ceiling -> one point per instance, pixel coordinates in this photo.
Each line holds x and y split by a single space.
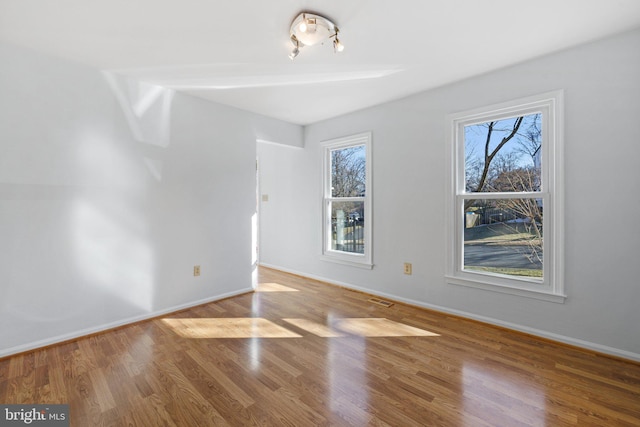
236 52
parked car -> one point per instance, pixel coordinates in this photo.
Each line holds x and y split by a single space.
355 217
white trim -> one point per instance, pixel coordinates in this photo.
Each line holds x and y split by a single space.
551 287
107 326
506 289
356 260
340 259
587 345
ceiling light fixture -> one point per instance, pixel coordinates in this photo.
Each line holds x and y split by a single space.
308 29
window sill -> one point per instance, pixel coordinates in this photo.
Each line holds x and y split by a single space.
346 260
542 295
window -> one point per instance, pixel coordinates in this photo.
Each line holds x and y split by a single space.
505 202
347 200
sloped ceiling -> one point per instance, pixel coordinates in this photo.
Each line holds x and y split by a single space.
236 52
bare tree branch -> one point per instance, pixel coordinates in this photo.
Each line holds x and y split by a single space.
488 157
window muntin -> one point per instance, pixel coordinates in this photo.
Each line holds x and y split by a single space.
506 190
347 200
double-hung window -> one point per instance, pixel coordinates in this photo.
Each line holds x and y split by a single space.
347 200
505 198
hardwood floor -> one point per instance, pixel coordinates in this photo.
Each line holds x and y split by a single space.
302 353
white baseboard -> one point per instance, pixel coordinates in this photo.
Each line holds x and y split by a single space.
514 326
93 330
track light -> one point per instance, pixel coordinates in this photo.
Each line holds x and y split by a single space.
308 29
296 48
337 46
294 53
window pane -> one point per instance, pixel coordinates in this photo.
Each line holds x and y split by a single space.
504 155
504 236
348 171
347 226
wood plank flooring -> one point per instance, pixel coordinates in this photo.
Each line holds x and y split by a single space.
302 353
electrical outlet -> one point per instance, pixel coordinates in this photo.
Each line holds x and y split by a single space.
407 268
196 270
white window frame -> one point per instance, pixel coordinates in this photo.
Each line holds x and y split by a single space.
551 288
353 259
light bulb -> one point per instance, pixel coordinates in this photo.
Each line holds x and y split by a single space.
303 25
339 47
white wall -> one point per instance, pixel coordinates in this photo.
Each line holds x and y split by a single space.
602 111
110 192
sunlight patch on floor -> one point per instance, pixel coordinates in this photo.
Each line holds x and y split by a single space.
365 327
274 287
380 328
228 328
